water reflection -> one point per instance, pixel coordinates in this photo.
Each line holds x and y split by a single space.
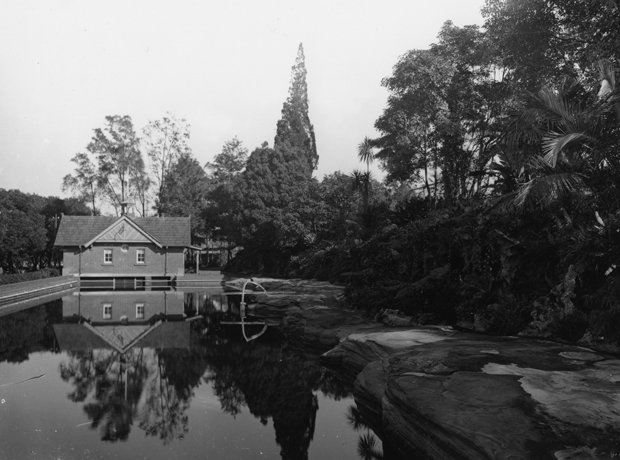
124 353
136 359
28 331
367 447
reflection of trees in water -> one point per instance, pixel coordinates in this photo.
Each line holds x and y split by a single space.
273 384
169 392
155 387
111 384
27 331
152 386
367 442
163 414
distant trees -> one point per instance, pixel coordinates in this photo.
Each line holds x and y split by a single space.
223 213
28 229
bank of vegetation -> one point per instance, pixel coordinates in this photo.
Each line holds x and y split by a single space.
500 206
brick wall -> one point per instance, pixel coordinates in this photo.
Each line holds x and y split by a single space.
90 305
124 263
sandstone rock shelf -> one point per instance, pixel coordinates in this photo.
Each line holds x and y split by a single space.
437 393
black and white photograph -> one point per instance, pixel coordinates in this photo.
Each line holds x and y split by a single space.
327 230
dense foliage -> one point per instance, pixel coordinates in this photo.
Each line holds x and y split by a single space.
28 226
507 142
277 194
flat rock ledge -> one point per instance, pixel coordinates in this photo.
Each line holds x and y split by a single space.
437 393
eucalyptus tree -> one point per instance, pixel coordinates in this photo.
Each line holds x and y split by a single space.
84 183
119 160
141 187
165 142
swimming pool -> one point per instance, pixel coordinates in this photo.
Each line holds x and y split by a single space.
158 374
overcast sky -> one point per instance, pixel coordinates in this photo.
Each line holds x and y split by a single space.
223 66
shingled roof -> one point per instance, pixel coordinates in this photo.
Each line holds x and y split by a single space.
78 230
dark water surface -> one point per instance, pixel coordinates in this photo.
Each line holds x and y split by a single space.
155 375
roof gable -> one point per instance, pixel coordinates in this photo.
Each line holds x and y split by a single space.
79 230
121 232
124 230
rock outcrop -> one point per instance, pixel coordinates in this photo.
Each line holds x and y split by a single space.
460 396
437 393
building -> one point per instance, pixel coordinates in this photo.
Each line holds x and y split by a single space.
125 247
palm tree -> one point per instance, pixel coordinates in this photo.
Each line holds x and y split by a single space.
577 137
365 152
361 181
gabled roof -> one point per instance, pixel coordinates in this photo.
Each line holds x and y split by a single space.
79 230
119 233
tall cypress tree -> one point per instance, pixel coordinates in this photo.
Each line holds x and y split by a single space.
295 134
276 188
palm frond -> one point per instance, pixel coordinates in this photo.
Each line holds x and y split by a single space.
542 191
355 419
554 144
366 448
555 104
503 203
365 151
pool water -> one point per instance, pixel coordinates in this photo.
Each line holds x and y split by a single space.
156 375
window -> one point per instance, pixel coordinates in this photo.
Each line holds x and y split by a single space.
107 311
107 256
140 256
140 311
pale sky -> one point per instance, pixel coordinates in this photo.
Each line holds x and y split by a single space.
223 66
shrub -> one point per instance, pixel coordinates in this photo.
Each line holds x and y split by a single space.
29 276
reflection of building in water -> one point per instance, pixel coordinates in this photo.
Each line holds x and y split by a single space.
123 320
125 359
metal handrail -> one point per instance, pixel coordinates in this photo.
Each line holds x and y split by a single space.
242 314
